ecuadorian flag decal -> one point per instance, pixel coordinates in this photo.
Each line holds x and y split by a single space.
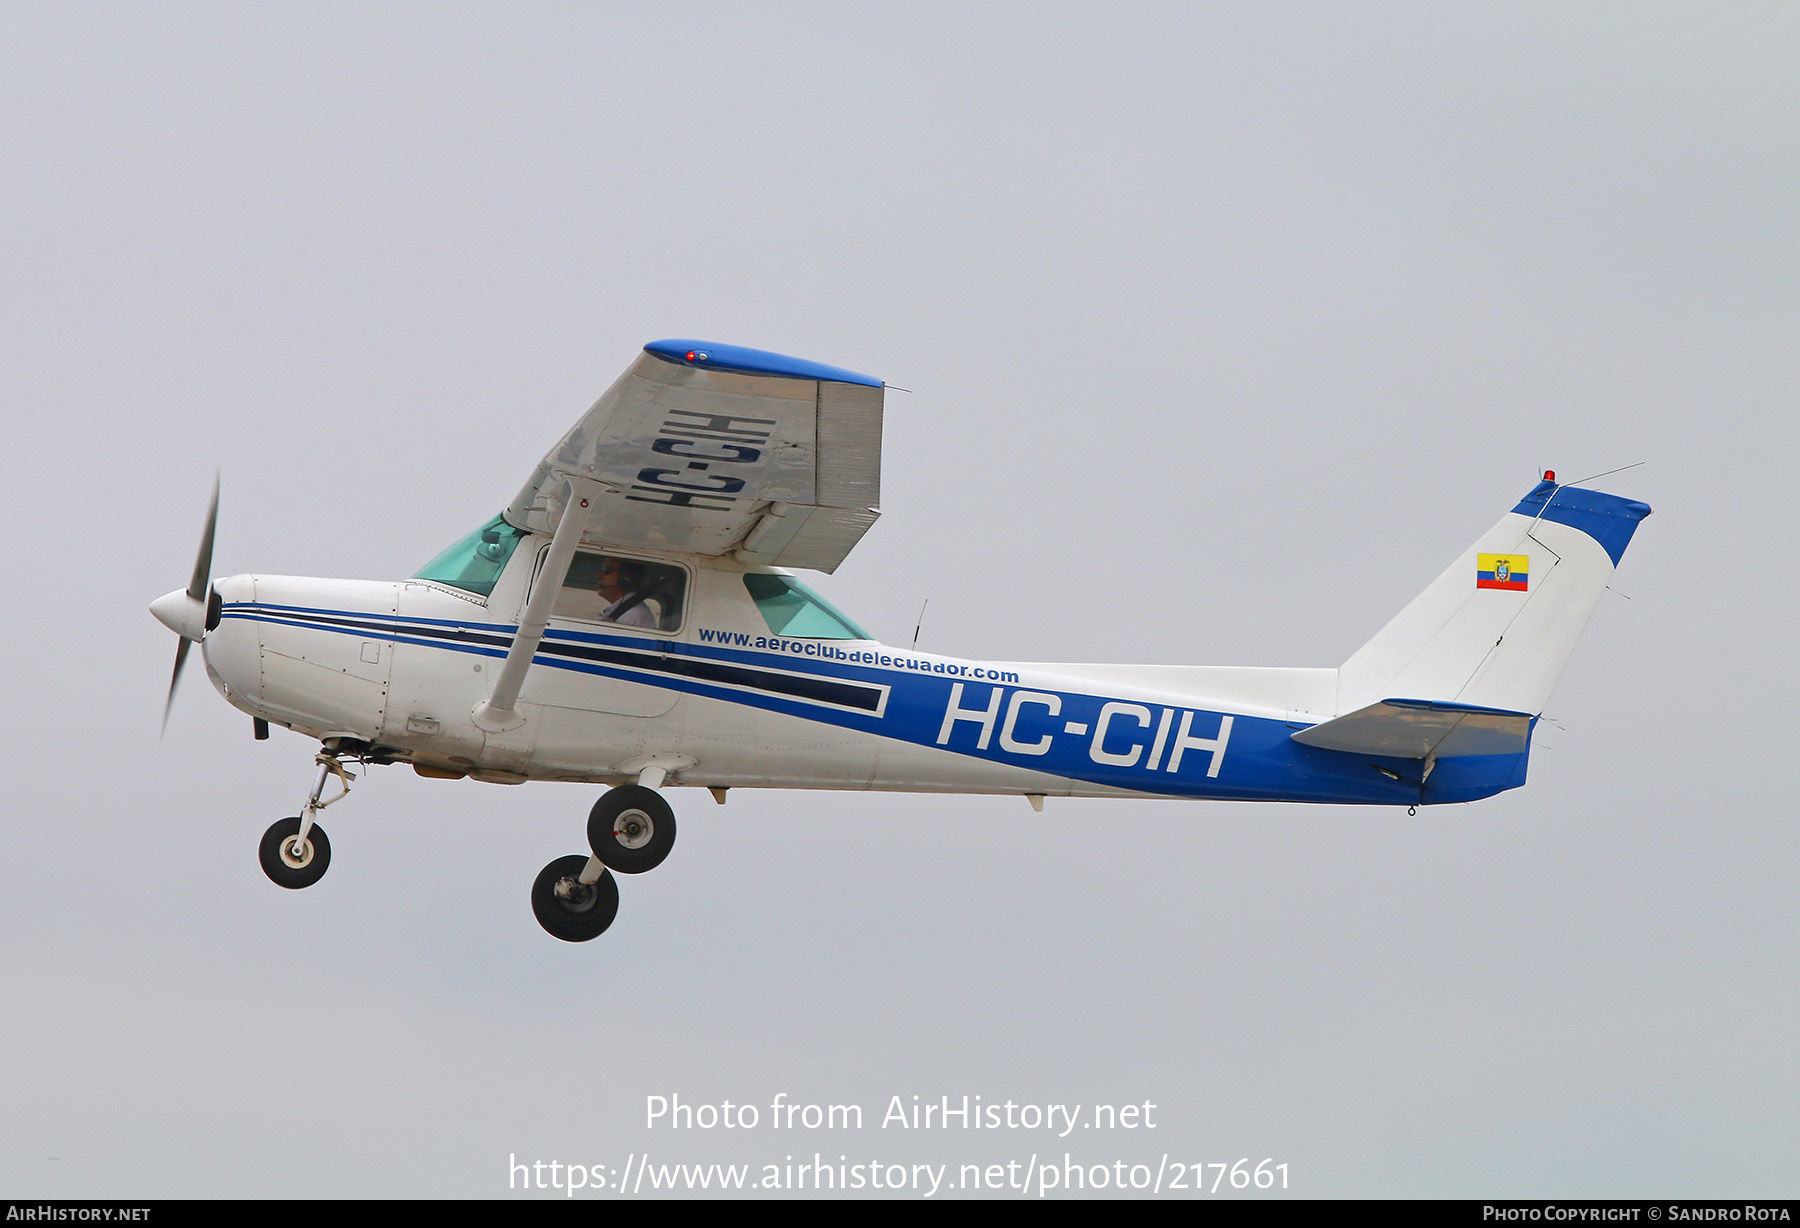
1509 571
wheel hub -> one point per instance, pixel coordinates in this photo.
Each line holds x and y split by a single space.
575 895
634 829
295 854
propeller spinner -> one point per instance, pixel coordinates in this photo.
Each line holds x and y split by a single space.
193 611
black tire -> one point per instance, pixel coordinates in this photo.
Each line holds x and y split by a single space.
289 867
583 912
631 829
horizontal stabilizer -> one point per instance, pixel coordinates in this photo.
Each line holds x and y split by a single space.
1422 729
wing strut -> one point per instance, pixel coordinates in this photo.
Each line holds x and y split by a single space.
497 712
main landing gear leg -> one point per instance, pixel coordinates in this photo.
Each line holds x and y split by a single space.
295 852
631 829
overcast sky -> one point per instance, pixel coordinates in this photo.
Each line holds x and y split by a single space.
1226 326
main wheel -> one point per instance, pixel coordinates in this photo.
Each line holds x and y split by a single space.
631 829
569 909
290 863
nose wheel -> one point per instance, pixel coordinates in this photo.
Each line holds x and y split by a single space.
294 852
292 860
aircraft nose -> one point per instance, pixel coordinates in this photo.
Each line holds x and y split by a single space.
181 614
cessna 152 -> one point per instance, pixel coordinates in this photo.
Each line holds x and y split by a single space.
626 621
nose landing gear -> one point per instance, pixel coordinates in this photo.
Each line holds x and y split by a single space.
294 852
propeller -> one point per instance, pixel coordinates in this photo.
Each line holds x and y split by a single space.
193 611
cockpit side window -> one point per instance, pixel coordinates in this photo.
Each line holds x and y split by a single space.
790 608
611 588
475 563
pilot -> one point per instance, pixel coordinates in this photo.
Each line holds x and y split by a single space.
621 585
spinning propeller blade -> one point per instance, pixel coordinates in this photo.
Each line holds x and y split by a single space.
201 584
199 597
181 647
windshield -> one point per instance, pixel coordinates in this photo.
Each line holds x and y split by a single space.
475 562
790 608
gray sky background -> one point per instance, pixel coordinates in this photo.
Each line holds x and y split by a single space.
1226 325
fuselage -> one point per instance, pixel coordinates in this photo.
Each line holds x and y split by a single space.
401 665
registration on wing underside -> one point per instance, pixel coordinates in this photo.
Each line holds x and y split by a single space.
784 471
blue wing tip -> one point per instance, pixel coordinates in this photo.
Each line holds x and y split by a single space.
685 352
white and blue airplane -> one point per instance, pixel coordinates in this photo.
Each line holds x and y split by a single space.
629 620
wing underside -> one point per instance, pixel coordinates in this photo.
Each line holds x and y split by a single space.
716 450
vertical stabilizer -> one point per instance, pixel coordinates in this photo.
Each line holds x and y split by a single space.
1497 627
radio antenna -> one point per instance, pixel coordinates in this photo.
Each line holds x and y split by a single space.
1607 474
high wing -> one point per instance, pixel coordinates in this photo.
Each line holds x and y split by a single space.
717 449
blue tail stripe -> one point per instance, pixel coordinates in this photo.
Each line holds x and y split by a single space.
1608 519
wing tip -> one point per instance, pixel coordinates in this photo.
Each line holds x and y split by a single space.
686 352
